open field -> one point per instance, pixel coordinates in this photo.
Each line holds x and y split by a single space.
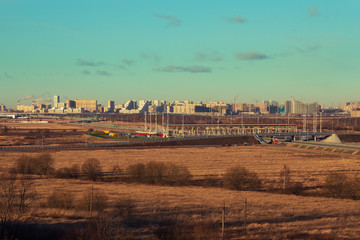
307 166
56 131
29 124
269 215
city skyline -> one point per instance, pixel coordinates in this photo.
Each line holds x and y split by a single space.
199 50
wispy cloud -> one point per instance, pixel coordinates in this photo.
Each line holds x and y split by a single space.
190 69
172 21
29 97
150 57
209 55
127 62
309 48
35 99
42 100
86 72
236 19
313 11
103 73
87 63
251 55
7 75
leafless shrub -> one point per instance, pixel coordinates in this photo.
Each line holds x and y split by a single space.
72 172
159 173
116 171
176 174
206 230
137 172
124 207
288 186
92 169
172 229
239 178
93 200
15 196
101 227
339 185
308 236
40 165
61 199
23 165
154 172
212 181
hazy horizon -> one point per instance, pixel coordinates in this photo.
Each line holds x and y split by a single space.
180 50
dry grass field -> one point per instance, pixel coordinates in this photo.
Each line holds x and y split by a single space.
28 124
269 215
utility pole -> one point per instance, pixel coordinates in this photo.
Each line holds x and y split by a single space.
145 121
219 124
242 123
167 123
320 122
314 122
162 120
156 122
150 121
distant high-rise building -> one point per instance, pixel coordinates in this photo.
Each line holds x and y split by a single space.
297 107
56 101
344 105
131 104
87 105
70 104
111 106
287 106
2 108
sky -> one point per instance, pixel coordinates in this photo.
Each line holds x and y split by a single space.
203 50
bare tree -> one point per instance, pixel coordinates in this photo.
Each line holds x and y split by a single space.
15 196
92 169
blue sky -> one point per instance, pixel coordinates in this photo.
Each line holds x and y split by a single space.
166 49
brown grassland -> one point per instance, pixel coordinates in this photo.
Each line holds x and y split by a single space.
269 215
